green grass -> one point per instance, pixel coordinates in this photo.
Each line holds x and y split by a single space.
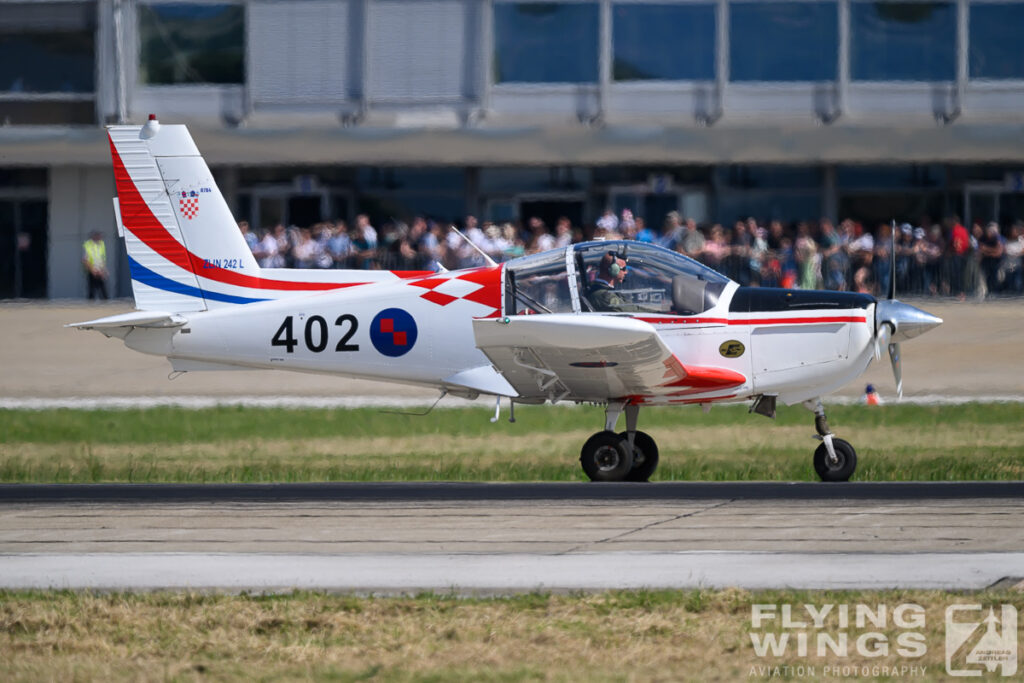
611 636
234 444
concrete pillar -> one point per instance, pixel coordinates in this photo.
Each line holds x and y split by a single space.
226 178
80 202
473 205
829 193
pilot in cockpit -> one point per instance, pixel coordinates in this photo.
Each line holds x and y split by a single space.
611 272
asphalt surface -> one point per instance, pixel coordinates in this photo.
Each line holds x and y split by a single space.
495 538
434 492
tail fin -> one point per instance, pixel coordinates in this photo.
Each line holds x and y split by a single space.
184 248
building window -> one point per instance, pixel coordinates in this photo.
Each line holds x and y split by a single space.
545 42
995 40
783 41
50 62
663 42
191 43
47 63
903 41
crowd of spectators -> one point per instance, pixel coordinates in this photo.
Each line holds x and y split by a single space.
932 259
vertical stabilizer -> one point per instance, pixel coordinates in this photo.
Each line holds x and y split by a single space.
184 248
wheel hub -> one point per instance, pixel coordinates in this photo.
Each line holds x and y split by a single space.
607 458
836 463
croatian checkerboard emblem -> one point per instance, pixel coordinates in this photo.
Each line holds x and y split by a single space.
188 203
393 332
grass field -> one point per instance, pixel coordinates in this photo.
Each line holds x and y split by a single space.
232 444
614 636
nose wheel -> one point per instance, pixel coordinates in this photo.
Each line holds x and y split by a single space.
835 459
627 456
839 468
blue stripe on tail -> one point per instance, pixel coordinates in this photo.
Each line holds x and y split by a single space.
146 276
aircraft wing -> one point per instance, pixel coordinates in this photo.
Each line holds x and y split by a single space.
590 357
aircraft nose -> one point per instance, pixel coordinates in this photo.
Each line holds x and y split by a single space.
905 320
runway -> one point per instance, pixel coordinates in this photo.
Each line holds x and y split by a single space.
492 538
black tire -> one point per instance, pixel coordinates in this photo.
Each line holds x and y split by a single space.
645 456
604 457
839 471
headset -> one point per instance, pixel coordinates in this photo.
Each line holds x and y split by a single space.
614 268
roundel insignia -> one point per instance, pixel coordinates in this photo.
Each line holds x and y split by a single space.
393 332
732 349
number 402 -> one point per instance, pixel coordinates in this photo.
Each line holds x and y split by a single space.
315 334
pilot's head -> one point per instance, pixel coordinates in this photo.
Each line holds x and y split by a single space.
612 269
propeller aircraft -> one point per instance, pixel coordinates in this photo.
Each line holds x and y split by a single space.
619 324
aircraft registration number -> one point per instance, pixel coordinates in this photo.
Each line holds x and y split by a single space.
315 334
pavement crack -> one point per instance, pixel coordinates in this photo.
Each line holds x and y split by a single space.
650 525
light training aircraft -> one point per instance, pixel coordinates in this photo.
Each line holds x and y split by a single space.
617 324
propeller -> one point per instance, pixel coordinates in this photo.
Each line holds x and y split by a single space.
895 359
896 321
897 368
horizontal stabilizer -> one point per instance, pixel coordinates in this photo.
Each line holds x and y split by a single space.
133 319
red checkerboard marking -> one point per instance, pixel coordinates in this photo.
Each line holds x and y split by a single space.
189 207
439 298
488 291
387 325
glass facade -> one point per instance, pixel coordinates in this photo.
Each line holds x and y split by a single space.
51 62
902 41
783 41
545 42
995 31
191 43
663 42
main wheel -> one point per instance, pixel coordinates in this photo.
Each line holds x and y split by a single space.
843 468
645 456
604 457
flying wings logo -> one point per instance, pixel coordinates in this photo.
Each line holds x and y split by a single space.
188 203
393 332
977 643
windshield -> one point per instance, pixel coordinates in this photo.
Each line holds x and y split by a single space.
610 276
538 284
649 279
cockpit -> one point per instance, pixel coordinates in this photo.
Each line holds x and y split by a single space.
611 277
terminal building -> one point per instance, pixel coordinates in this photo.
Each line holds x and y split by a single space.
308 110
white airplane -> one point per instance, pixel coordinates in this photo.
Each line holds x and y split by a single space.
614 323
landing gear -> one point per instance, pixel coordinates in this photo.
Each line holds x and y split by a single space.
834 459
605 458
645 456
839 469
627 456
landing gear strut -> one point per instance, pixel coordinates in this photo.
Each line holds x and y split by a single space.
628 456
834 459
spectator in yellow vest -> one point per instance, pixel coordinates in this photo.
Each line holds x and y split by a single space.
94 259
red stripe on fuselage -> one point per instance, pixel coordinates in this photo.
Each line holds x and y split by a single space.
755 321
139 219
